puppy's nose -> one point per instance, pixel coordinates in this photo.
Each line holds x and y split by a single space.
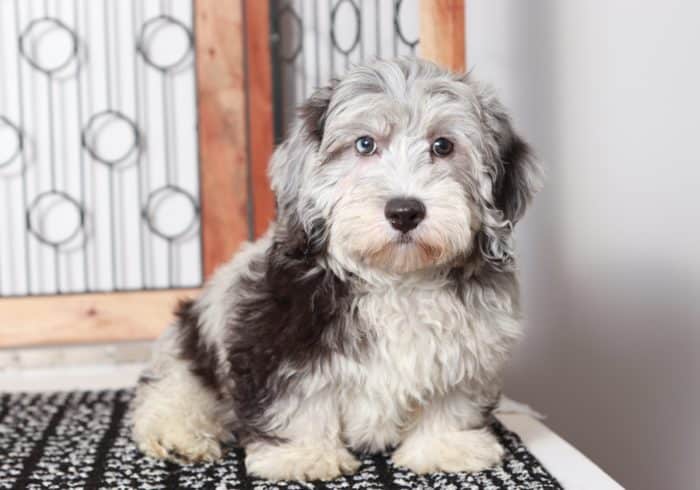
404 213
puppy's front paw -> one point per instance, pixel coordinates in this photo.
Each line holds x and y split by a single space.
467 450
182 440
181 447
299 462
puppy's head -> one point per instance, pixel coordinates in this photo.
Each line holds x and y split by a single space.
402 166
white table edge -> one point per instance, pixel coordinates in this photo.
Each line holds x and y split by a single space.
566 463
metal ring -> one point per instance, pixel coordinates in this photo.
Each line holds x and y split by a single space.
141 45
149 210
64 197
61 26
397 26
287 9
18 138
358 29
87 144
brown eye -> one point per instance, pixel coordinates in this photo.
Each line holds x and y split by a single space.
365 145
442 147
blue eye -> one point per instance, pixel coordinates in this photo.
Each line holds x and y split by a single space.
365 145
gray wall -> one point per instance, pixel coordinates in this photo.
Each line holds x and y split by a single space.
608 92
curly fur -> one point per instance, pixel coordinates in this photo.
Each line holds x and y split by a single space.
335 331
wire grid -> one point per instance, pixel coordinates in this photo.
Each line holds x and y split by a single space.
99 174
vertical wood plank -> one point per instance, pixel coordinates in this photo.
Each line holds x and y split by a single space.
442 31
259 91
222 128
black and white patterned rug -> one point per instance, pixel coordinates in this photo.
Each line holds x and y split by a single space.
81 440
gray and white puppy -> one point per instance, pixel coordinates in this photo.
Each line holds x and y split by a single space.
378 309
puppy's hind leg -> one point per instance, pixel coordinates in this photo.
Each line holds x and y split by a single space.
174 415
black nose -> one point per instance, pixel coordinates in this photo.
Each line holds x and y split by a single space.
404 213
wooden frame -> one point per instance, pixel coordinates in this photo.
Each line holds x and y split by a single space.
234 76
222 128
233 79
82 318
442 33
260 111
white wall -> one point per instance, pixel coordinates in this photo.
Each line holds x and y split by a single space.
608 92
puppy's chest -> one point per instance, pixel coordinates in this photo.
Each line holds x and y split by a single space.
416 341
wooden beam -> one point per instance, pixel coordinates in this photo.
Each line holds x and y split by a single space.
87 318
442 31
222 128
260 115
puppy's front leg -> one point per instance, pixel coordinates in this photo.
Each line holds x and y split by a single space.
449 435
310 447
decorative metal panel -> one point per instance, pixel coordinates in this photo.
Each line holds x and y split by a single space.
99 184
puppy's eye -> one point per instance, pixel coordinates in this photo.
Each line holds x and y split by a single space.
365 145
442 147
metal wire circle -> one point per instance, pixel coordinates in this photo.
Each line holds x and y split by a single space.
54 23
397 26
151 26
288 11
156 197
19 141
38 233
358 25
92 129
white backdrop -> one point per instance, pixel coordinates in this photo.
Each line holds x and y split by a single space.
607 93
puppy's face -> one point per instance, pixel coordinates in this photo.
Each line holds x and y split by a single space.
400 174
405 169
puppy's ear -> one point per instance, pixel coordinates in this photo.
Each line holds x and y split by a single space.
520 178
298 222
514 173
290 160
313 111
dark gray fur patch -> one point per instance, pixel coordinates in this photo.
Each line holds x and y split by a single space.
313 111
514 188
203 358
291 316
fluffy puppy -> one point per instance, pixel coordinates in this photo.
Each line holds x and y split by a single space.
378 309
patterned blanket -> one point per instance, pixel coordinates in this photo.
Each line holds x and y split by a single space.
81 440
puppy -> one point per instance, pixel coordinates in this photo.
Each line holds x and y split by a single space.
380 306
